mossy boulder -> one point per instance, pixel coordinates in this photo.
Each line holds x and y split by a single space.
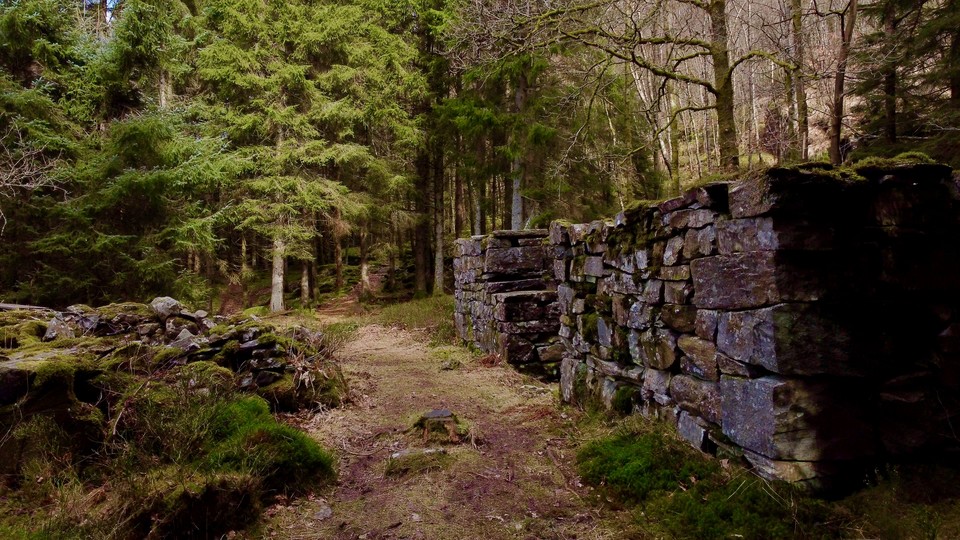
246 438
306 389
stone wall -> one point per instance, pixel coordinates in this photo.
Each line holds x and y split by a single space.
807 320
506 299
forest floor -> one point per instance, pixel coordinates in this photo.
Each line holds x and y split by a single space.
511 476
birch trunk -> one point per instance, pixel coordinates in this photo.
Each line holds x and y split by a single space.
276 281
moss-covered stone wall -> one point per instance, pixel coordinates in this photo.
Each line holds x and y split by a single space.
806 320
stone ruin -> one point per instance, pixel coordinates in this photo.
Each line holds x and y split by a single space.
506 298
72 365
805 320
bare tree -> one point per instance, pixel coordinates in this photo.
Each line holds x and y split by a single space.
22 168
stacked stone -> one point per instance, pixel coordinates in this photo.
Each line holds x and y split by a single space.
775 319
627 318
506 300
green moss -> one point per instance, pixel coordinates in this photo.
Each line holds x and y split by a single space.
248 439
688 495
135 309
55 369
819 170
133 356
164 356
21 332
417 462
905 158
623 400
589 322
207 374
256 311
114 382
323 385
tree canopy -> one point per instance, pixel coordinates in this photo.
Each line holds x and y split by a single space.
167 146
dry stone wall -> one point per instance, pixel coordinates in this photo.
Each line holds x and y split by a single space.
806 320
506 299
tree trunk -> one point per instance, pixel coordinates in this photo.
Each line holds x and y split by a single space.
421 237
954 55
276 282
459 195
337 250
674 141
164 89
365 289
723 83
847 22
799 82
890 78
314 288
438 221
305 284
244 268
392 257
518 166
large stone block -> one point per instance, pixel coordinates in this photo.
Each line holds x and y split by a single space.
565 296
558 233
468 247
526 306
640 316
673 251
681 318
700 359
796 419
622 283
691 430
572 372
659 348
700 243
560 270
693 219
593 266
515 261
515 349
550 353
655 383
755 279
674 273
815 475
677 292
698 397
706 323
769 234
789 339
795 192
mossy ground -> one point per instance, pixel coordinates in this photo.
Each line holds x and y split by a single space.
115 439
673 491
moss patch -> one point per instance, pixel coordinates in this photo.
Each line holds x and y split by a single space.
687 495
416 462
248 439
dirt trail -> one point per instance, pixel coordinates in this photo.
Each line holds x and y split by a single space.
516 481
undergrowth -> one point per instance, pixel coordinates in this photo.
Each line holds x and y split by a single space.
677 492
433 315
183 455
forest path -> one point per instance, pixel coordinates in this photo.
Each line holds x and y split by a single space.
512 477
